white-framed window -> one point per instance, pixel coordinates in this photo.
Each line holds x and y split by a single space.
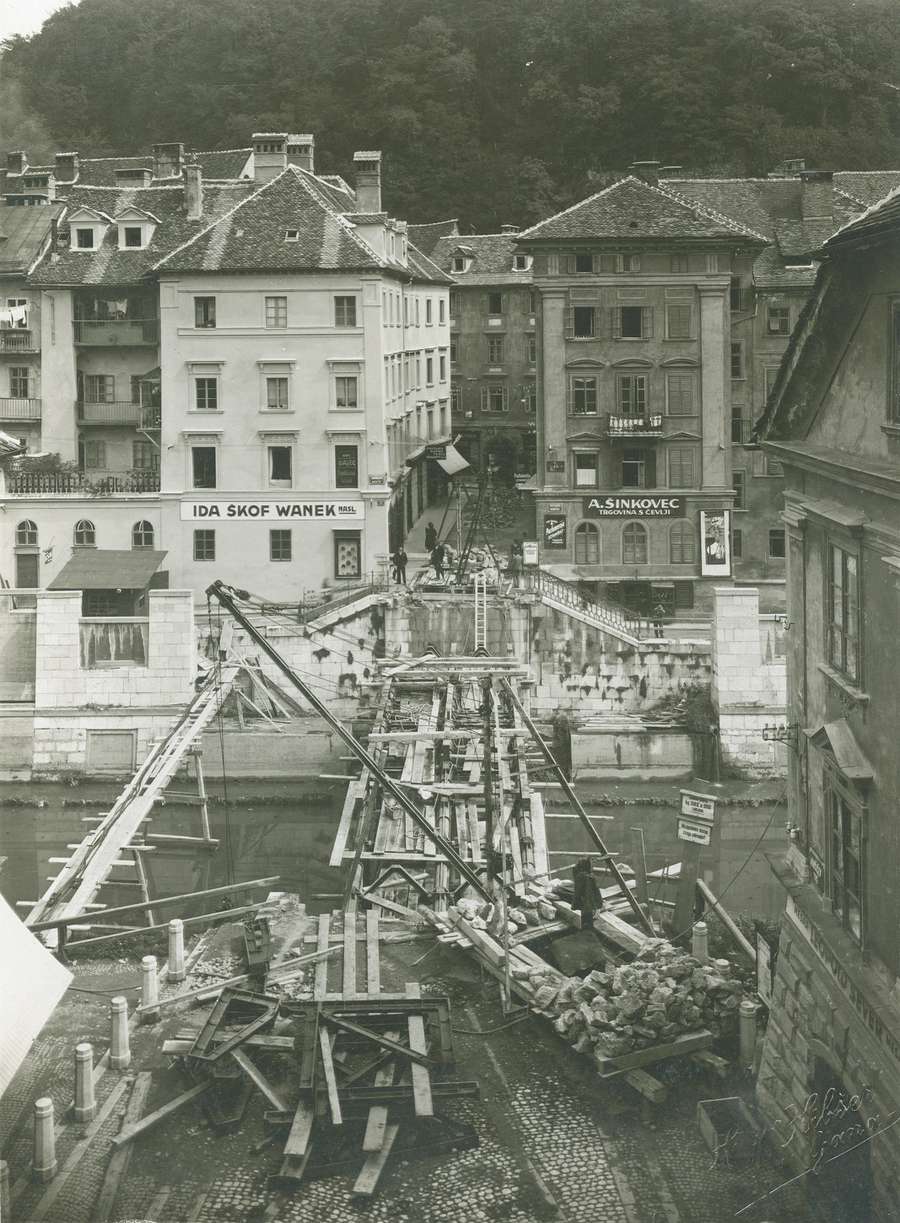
346 465
634 544
131 237
276 312
586 468
280 546
345 311
778 320
428 312
26 534
521 263
442 366
429 371
442 310
495 397
280 466
638 467
346 392
92 454
142 534
84 238
495 349
203 466
206 393
277 393
85 534
204 545
98 388
19 382
144 456
584 396
205 312
347 555
631 394
587 544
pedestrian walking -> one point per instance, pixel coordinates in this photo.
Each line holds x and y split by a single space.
431 537
437 560
659 613
587 900
401 563
514 569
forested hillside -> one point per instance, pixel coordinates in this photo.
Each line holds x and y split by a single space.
492 110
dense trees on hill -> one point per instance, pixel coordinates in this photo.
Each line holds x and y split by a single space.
499 111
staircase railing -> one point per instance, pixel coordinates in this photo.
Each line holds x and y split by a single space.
607 615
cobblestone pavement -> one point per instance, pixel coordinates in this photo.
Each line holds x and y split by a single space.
554 1142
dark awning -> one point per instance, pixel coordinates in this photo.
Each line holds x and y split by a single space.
838 738
108 569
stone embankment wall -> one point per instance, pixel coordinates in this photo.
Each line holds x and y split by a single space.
17 652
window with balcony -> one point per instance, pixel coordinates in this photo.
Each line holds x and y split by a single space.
85 534
638 468
495 303
586 465
682 543
584 322
26 534
204 545
203 467
495 350
19 382
345 311
206 394
91 455
19 305
142 535
842 611
682 465
204 312
778 320
280 466
97 388
680 394
277 394
346 392
679 321
634 544
631 394
276 312
739 481
587 544
280 545
632 322
346 466
144 456
584 396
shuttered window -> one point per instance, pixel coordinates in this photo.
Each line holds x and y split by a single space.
632 323
680 394
682 543
681 467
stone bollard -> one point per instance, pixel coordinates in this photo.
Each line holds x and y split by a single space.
5 1211
149 990
85 1105
747 1026
700 942
119 1045
176 950
43 1163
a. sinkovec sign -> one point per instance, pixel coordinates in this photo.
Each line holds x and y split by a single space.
272 511
619 505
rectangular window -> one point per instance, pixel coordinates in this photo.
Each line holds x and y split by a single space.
739 480
843 612
631 394
144 456
773 466
586 469
276 312
737 359
84 239
346 467
632 322
678 321
454 349
455 399
203 466
277 394
778 320
776 543
737 543
442 310
771 374
204 312
529 397
638 469
681 467
428 309
134 236
442 367
454 303
846 862
680 394
204 545
206 394
584 396
345 312
495 398
19 382
281 466
345 392
429 371
495 303
92 455
736 294
680 263
279 545
347 554
98 388
495 349
584 263
740 427
584 320
531 349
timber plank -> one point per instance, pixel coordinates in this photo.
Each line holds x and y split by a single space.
322 939
376 1125
689 1042
127 1133
367 1181
373 956
421 1079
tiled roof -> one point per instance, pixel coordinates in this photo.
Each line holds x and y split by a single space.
23 234
426 236
770 272
885 215
491 254
867 186
101 171
632 209
423 268
109 265
251 236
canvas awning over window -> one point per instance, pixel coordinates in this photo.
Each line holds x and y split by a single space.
838 739
108 569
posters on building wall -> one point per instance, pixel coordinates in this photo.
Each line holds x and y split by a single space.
715 536
554 531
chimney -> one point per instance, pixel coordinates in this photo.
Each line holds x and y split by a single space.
368 180
16 161
509 229
670 171
66 167
193 192
301 151
133 176
817 195
647 170
167 160
269 155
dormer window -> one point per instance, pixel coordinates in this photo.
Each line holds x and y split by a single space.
136 229
87 229
459 263
132 236
521 263
292 235
84 238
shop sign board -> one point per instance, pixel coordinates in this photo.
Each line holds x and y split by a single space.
556 465
633 505
272 511
694 831
698 806
554 531
529 551
436 452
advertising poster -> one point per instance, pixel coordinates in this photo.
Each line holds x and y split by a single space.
715 533
554 531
